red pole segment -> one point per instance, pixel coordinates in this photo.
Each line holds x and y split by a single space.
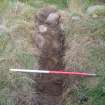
71 73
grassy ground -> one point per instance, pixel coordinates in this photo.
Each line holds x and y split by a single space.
85 50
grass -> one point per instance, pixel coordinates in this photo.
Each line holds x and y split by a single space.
58 3
86 42
98 94
25 59
15 51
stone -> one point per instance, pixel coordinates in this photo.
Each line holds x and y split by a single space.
53 18
76 18
96 10
42 28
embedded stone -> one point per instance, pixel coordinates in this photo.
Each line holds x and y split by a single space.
53 18
42 28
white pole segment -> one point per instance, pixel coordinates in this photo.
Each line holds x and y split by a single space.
92 74
30 71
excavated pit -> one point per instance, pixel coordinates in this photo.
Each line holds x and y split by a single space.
50 40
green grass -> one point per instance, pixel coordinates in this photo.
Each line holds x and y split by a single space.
87 3
3 5
58 3
26 60
86 39
15 45
97 94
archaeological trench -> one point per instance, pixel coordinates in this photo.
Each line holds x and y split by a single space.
50 40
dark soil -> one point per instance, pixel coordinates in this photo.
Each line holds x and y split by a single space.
49 88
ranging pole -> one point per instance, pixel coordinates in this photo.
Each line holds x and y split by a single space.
53 72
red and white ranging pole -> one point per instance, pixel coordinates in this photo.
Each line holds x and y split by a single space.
53 72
